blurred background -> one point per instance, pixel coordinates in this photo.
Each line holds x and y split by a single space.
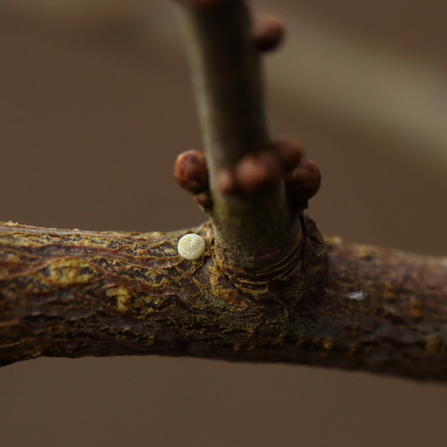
95 104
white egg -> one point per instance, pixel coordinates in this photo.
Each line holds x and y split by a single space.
191 246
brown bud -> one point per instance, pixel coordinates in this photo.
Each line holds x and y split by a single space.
226 182
267 33
204 200
191 172
257 171
303 182
290 152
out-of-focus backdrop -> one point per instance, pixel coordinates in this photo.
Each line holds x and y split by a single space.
95 104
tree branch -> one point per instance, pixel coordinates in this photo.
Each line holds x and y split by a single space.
74 293
250 209
266 288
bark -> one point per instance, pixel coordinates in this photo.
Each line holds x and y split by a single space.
69 293
267 288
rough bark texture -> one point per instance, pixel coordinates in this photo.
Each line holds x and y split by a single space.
70 293
267 289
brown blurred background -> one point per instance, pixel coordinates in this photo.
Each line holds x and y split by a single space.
95 104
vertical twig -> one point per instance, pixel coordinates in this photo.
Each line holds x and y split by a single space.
225 63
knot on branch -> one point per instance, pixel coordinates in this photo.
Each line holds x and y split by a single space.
296 279
255 173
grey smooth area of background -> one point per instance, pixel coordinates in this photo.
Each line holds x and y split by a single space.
89 133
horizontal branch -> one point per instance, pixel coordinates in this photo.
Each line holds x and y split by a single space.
74 293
